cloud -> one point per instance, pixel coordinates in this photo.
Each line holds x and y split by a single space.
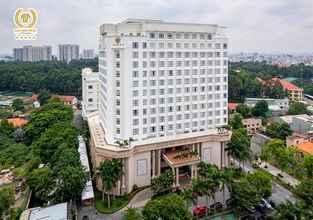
264 26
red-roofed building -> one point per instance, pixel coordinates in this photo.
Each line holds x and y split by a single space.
17 122
34 97
294 92
67 100
232 107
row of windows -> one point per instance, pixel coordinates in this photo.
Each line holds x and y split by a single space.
170 118
180 90
186 126
162 35
186 63
179 81
161 45
178 109
171 54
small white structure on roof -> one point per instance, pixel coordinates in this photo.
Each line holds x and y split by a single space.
87 194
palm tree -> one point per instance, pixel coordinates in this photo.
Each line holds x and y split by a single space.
110 172
288 210
226 178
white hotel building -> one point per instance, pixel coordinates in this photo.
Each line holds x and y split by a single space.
164 85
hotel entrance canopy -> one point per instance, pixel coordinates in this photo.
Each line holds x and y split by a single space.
181 158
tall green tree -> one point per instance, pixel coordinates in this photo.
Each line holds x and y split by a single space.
243 109
51 113
297 108
305 191
52 138
262 182
244 195
308 165
235 121
42 183
278 130
6 200
169 207
132 214
70 183
289 210
260 109
239 145
6 128
18 105
110 172
163 182
43 97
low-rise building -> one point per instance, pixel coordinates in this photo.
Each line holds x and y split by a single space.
305 148
252 125
17 122
298 123
54 212
232 107
276 106
88 193
67 99
90 94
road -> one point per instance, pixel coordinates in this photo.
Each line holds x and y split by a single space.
279 193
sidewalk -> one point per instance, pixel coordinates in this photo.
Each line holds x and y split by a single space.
275 171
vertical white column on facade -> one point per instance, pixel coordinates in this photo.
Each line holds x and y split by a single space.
153 163
177 176
159 162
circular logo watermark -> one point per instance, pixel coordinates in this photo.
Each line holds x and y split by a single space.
25 21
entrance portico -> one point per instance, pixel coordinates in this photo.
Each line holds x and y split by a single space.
181 159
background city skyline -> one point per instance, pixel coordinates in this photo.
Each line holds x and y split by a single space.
267 26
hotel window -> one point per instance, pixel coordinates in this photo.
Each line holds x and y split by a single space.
144 45
135 54
90 87
178 35
135 45
161 36
135 64
152 35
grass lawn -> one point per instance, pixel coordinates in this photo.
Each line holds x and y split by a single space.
116 204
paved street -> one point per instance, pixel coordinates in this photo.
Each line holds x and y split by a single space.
275 171
279 193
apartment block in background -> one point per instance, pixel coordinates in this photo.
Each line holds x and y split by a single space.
33 53
88 54
68 52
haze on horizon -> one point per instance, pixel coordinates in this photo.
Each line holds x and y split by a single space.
268 26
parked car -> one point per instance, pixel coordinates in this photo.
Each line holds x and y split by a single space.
199 210
216 206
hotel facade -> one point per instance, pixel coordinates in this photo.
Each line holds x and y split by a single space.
163 91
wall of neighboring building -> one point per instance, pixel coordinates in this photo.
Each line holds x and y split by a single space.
257 142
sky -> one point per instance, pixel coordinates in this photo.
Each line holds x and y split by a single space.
265 26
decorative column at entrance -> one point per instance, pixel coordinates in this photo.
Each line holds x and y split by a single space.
177 176
153 164
174 174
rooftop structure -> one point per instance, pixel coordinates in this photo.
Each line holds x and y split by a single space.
17 122
88 193
274 105
306 147
55 212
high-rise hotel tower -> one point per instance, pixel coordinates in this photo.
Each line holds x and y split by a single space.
163 88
